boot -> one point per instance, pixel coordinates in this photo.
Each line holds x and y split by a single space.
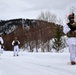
17 55
73 62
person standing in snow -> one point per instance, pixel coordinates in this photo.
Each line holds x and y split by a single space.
1 44
70 30
16 43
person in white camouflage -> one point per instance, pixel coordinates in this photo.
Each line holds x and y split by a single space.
70 30
16 43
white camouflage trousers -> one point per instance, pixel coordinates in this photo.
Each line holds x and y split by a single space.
72 50
1 50
16 50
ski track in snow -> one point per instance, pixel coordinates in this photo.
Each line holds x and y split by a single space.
36 64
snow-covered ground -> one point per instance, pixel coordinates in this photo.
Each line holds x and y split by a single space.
28 63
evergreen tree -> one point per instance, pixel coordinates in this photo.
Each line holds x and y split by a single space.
58 43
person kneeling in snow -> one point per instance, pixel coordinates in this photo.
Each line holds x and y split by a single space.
16 43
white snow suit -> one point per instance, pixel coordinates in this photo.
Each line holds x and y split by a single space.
16 47
71 43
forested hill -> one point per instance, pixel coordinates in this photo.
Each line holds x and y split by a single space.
27 30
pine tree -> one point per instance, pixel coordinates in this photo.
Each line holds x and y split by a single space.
57 43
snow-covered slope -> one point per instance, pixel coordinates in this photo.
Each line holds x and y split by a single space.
36 64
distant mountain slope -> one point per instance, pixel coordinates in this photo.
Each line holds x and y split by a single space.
26 30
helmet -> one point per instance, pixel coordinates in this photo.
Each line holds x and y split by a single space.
71 16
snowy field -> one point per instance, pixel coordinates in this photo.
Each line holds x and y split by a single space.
36 64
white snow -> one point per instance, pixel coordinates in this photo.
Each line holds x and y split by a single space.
28 63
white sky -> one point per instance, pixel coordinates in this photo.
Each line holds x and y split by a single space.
10 9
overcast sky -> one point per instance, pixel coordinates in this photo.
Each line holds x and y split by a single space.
10 9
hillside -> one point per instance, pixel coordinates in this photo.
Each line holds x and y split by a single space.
28 31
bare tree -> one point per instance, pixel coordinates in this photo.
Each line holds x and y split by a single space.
59 21
47 16
72 9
